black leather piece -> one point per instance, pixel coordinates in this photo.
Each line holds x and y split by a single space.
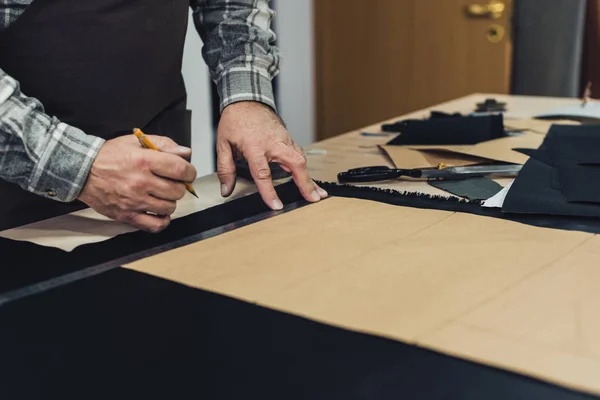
580 183
534 192
560 177
126 335
474 189
447 130
575 153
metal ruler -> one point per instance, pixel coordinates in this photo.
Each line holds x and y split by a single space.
104 267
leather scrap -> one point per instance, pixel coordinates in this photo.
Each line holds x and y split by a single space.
474 189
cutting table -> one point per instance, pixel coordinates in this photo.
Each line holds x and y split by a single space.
319 302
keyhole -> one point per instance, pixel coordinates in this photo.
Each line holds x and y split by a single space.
495 33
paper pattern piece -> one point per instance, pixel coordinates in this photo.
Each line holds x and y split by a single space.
589 111
498 200
68 232
405 157
498 149
420 276
534 125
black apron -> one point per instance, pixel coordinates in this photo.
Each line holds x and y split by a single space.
104 66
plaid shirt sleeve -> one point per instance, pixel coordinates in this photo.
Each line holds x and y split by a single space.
39 153
239 48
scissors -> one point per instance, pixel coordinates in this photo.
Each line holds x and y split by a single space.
383 173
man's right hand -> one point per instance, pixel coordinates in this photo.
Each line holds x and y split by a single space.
127 182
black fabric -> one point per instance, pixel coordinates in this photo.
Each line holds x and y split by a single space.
126 335
104 66
447 130
491 105
474 189
575 154
560 177
535 192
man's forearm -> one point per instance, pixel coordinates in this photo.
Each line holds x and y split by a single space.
239 48
38 152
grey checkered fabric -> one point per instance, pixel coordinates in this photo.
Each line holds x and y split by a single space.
52 159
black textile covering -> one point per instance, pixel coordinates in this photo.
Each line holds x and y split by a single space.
447 130
537 191
575 153
126 335
474 189
561 177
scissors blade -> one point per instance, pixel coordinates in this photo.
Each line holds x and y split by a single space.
472 171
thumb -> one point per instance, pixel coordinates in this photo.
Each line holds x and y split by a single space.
225 168
167 145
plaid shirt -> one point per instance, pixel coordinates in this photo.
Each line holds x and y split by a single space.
52 159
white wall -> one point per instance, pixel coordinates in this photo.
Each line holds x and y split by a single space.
196 76
294 25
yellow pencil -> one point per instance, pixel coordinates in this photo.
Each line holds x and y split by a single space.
144 141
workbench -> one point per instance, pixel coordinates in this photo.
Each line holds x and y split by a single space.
122 334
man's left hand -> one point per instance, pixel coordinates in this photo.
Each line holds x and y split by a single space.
253 131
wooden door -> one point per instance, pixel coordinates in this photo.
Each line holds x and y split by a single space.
377 59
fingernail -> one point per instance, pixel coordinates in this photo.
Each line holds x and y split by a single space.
182 149
277 205
322 192
223 190
315 196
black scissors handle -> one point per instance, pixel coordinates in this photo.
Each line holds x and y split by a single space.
375 174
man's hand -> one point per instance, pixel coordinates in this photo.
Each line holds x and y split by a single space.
127 182
252 130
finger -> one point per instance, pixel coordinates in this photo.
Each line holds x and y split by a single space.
298 149
157 206
322 192
287 156
225 168
261 173
167 145
170 166
166 189
150 223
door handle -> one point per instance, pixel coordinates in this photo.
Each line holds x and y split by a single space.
492 10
